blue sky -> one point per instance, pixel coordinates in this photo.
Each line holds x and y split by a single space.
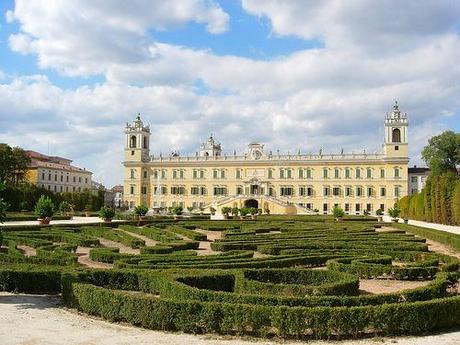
295 75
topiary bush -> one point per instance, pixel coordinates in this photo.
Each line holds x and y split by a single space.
44 208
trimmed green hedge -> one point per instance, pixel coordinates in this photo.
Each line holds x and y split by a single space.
447 238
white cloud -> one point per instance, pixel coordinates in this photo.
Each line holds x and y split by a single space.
322 98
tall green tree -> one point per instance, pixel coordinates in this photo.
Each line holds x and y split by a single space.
442 153
13 164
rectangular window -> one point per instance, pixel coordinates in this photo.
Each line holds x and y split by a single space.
309 191
369 173
181 174
347 173
336 173
220 191
397 192
413 179
358 173
336 191
74 179
281 173
174 174
270 173
348 191
214 174
131 190
238 173
300 173
383 191
288 171
62 178
201 173
325 208
43 176
195 191
195 174
301 191
369 207
382 173
382 207
239 190
79 179
347 207
396 172
369 191
286 191
324 173
308 173
49 177
326 191
144 190
222 173
145 174
359 191
163 174
357 207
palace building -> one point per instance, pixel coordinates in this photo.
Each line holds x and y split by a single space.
281 183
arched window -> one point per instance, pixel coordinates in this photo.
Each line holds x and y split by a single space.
145 142
396 137
132 142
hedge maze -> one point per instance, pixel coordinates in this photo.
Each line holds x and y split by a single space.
295 277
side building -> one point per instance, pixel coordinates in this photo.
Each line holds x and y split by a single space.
417 178
57 174
283 184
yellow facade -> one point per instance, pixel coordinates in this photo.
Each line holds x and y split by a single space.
280 183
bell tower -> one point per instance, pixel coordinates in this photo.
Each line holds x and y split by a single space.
137 141
396 125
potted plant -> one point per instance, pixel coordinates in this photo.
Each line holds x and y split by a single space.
212 210
226 211
24 206
379 214
316 211
64 208
338 213
253 212
394 214
44 209
406 220
244 211
106 213
87 210
235 211
177 211
141 211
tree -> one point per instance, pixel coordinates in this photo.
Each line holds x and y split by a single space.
13 164
442 153
3 206
456 204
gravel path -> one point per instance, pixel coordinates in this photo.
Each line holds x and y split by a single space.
37 320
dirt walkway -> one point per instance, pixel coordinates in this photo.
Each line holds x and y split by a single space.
205 246
83 259
376 286
26 250
123 248
148 241
40 320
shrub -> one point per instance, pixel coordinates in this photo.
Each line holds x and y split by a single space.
64 207
253 211
379 212
226 211
244 211
338 212
24 205
44 207
394 212
177 210
106 213
141 210
235 211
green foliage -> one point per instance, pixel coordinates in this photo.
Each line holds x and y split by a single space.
226 210
442 153
44 208
24 205
212 210
338 212
235 211
456 204
177 210
106 212
141 210
394 212
64 207
13 164
379 212
253 211
244 211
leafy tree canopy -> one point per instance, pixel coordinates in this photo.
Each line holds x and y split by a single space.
13 164
443 152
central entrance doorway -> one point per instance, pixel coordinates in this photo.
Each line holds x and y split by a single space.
251 203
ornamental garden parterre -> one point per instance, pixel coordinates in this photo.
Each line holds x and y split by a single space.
277 276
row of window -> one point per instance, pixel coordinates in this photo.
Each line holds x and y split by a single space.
283 173
61 178
60 189
327 191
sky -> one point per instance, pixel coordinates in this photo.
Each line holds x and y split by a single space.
293 75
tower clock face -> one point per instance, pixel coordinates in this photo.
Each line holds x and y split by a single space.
256 154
